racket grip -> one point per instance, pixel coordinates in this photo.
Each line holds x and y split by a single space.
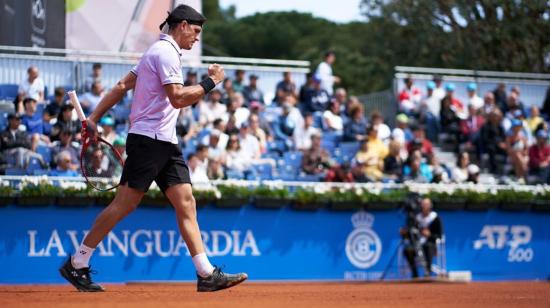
76 105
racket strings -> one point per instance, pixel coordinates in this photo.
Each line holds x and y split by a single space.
101 165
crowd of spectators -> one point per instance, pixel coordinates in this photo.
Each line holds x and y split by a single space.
314 132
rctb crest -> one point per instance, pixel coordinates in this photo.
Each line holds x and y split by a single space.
363 246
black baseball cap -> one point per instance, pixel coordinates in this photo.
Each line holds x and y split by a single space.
183 12
13 116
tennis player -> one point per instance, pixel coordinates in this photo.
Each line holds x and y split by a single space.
153 150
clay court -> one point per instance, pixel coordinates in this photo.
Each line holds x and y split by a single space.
507 294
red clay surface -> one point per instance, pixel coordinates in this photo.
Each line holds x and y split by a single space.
310 295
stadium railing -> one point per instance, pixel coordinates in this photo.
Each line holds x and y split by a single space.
66 67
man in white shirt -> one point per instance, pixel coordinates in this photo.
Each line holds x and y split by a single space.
473 99
250 145
324 73
212 109
439 90
91 99
32 86
302 135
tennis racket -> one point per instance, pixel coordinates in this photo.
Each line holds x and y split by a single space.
100 162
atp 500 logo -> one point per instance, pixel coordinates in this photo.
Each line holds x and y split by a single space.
516 238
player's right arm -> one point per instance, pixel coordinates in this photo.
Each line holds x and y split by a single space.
181 96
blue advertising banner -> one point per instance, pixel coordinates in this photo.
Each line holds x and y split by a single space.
269 244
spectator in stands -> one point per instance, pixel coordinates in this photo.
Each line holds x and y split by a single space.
32 120
213 108
284 127
416 170
473 174
539 158
219 126
401 133
410 97
304 89
303 134
66 144
95 76
488 103
317 99
202 154
376 145
197 174
517 92
236 159
215 170
15 143
450 121
251 92
355 129
456 104
370 161
341 96
99 167
63 161
432 102
546 104
32 86
500 97
534 119
212 140
231 127
332 119
236 108
54 107
249 144
257 131
324 72
91 99
108 125
393 163
420 142
187 127
473 99
517 145
238 83
65 122
439 171
120 147
459 173
384 132
316 160
228 91
493 140
513 103
190 78
438 91
470 127
284 88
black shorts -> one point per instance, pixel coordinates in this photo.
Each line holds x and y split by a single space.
153 160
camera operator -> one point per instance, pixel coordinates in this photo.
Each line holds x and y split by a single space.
420 236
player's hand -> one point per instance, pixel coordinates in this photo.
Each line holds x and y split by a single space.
90 133
216 72
426 232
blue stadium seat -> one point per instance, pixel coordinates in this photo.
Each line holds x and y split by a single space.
293 159
8 91
276 146
331 137
349 148
3 121
45 152
234 174
122 113
263 171
40 172
273 155
329 146
46 91
15 171
309 178
40 108
34 164
286 173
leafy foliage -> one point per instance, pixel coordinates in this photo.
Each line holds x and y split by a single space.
501 35
275 193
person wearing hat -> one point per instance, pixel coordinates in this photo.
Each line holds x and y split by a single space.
539 157
251 92
432 102
317 99
455 102
438 89
517 145
15 142
108 125
153 150
402 133
473 99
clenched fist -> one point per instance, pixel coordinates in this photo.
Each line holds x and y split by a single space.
215 71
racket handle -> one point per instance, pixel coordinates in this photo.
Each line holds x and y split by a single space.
76 105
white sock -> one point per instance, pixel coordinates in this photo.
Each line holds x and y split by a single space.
202 265
81 258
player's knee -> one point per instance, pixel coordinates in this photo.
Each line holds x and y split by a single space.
186 205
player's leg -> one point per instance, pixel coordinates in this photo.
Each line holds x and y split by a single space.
209 278
77 269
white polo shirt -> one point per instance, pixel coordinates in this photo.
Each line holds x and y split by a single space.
152 114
